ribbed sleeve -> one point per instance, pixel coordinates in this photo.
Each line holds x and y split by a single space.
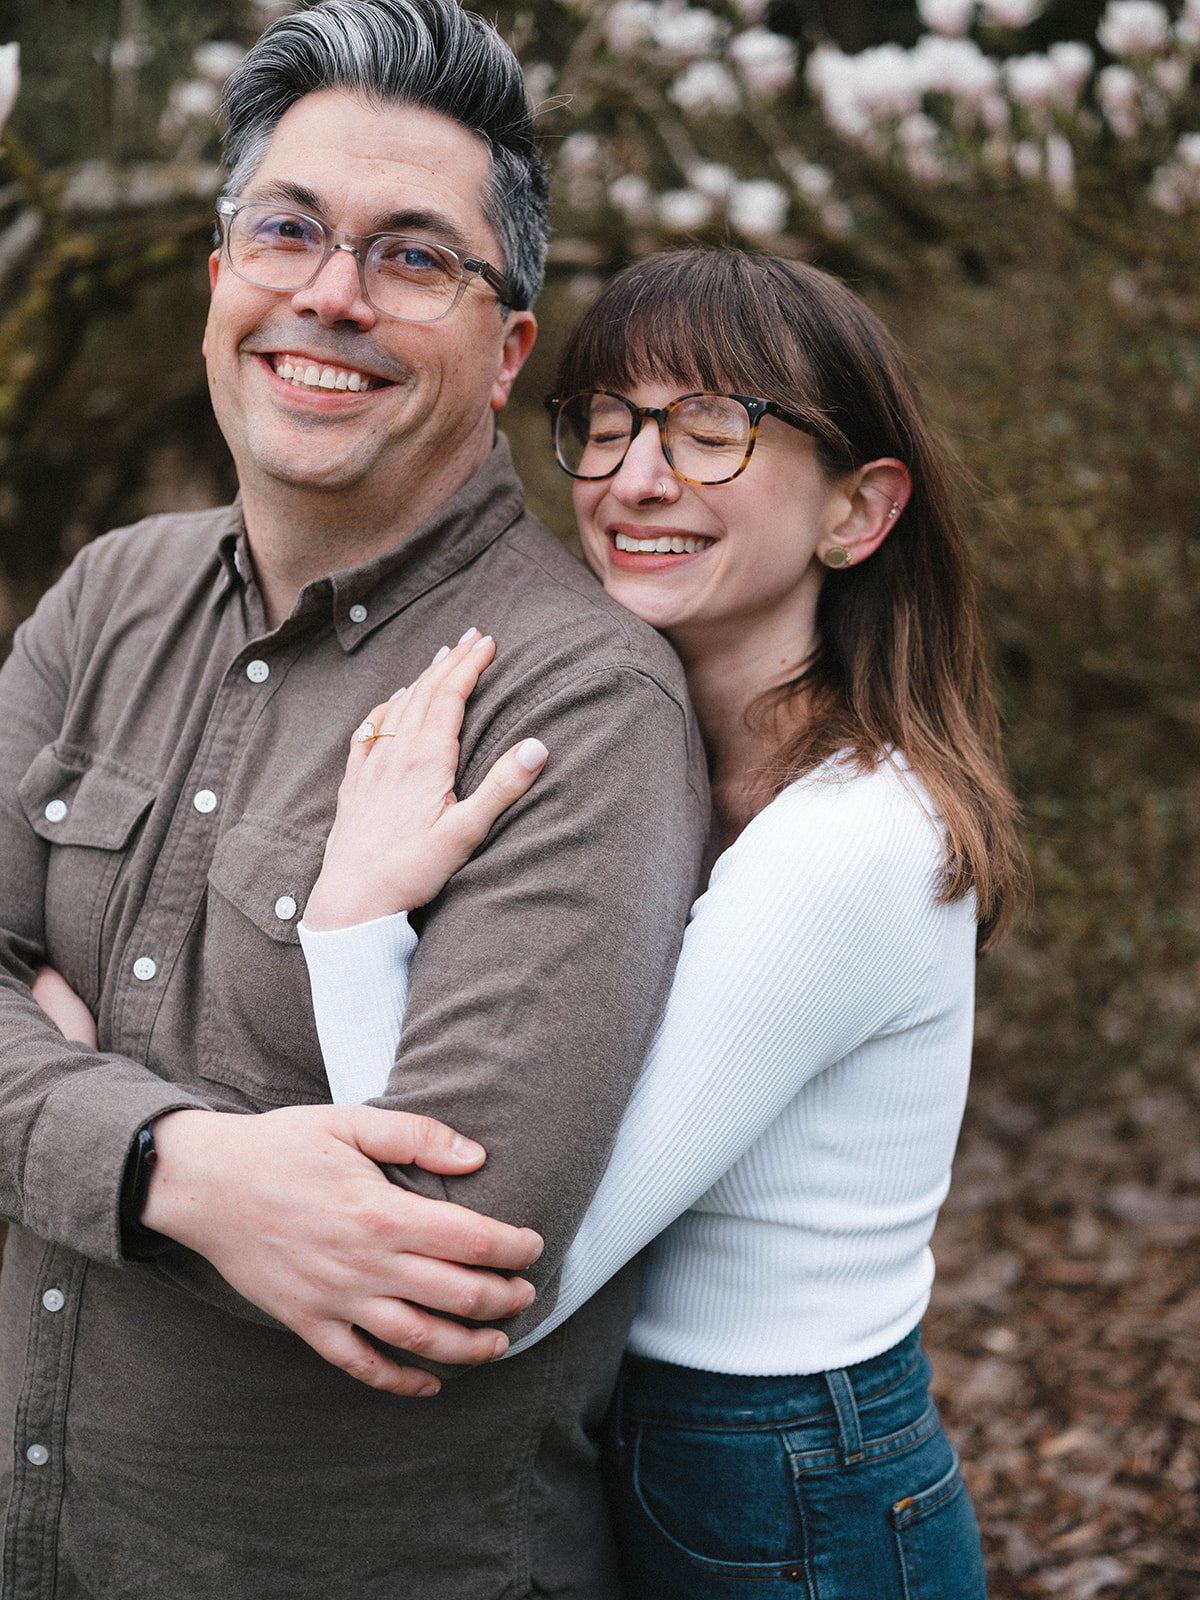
359 981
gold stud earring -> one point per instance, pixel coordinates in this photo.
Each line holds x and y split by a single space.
837 556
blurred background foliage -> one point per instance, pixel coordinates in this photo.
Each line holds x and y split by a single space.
1031 238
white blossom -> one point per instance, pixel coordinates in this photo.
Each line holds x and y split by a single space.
216 60
1012 13
10 79
705 86
684 210
1187 29
712 179
1032 81
752 10
814 182
1175 187
831 75
951 17
1074 63
1060 167
633 197
1134 28
192 100
767 61
1120 99
630 25
539 81
920 140
1027 158
838 217
685 32
580 155
1173 75
758 208
955 67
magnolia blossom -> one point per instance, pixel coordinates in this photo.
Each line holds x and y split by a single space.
539 81
10 79
1073 63
193 100
580 155
1032 82
1134 28
712 179
952 17
684 210
685 32
216 60
705 86
1012 13
630 25
767 61
1173 75
1187 29
859 91
759 208
815 183
633 197
1060 167
1119 94
955 67
1175 187
920 140
1027 158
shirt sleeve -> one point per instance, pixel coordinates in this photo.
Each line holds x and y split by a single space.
359 980
68 1115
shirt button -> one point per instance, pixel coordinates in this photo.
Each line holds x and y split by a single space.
204 800
358 613
37 1454
258 671
56 811
285 908
54 1299
144 968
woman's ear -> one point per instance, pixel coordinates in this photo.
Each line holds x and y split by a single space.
877 493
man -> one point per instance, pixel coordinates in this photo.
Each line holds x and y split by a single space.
175 719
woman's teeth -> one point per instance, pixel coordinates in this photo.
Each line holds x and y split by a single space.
308 375
666 544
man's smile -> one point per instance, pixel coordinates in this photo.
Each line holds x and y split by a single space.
303 372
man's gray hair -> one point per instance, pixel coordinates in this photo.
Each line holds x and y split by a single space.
427 53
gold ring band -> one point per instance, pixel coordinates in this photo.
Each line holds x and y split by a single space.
365 733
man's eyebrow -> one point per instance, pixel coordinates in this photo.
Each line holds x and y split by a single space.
434 225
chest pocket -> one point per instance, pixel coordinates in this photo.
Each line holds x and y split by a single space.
259 1034
89 809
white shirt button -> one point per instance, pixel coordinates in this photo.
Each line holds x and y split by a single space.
56 811
285 908
54 1299
144 968
37 1454
358 613
258 671
205 800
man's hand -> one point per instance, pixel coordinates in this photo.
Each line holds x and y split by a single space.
292 1210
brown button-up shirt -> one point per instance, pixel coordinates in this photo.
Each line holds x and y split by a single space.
168 768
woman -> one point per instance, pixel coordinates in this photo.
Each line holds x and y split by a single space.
754 476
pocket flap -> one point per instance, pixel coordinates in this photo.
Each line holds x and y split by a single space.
266 870
73 797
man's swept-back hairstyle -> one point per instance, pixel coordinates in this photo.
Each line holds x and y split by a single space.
899 660
426 53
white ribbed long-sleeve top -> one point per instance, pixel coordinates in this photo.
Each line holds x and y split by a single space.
789 1141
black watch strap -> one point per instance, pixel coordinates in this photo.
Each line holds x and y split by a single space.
138 1243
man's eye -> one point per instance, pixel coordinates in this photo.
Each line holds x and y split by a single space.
282 232
414 260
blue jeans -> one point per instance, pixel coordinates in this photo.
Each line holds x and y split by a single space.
837 1486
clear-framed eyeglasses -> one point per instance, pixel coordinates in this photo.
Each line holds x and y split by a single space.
410 280
706 438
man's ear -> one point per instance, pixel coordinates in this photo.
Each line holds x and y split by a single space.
877 493
520 330
214 266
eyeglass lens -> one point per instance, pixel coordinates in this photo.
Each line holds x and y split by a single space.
706 436
407 278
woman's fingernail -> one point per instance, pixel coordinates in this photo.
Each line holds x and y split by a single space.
470 634
428 1390
398 693
442 654
531 754
479 643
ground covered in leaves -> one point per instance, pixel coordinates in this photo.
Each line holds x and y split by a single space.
1064 1332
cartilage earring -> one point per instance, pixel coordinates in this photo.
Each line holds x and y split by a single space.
837 556
895 508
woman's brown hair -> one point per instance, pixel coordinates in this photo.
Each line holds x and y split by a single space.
899 661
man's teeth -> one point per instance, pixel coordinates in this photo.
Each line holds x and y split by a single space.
308 375
665 545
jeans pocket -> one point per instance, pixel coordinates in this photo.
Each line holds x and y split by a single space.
723 1499
937 1539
